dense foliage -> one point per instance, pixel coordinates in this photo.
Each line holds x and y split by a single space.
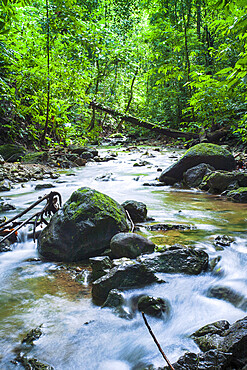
177 63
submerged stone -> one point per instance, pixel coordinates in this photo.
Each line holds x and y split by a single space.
83 227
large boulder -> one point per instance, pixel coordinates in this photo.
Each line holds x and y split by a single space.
83 227
130 245
177 259
214 155
122 277
12 152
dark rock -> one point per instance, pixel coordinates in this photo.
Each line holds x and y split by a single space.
130 245
156 307
137 210
141 163
31 336
231 340
223 240
122 277
214 155
83 227
6 207
12 152
229 295
194 176
219 181
87 155
210 336
106 177
100 266
44 186
239 195
115 299
235 342
35 157
177 259
1 159
211 360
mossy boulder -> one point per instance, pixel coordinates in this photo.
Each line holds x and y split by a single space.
83 227
238 195
218 181
177 259
214 155
130 245
12 152
210 336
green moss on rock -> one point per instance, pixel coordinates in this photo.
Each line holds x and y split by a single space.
239 195
12 152
35 157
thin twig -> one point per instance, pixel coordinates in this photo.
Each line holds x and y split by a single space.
156 342
130 220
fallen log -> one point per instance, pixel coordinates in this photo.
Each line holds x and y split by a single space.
148 125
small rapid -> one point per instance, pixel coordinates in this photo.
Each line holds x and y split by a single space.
81 335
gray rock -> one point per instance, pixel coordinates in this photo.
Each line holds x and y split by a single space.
44 186
194 176
177 259
210 336
100 266
122 277
137 210
83 227
214 155
130 245
6 207
219 181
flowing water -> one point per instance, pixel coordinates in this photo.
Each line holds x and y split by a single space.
80 335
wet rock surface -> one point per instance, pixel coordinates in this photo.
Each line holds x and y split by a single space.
130 245
156 307
122 277
177 259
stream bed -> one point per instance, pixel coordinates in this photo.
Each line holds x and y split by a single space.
80 335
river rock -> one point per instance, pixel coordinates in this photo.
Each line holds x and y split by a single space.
214 155
6 207
100 266
239 195
12 152
44 186
137 210
5 185
211 360
228 339
83 227
210 336
218 181
152 306
229 295
122 277
177 259
194 176
130 245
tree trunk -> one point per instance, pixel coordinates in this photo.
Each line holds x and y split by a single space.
148 125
